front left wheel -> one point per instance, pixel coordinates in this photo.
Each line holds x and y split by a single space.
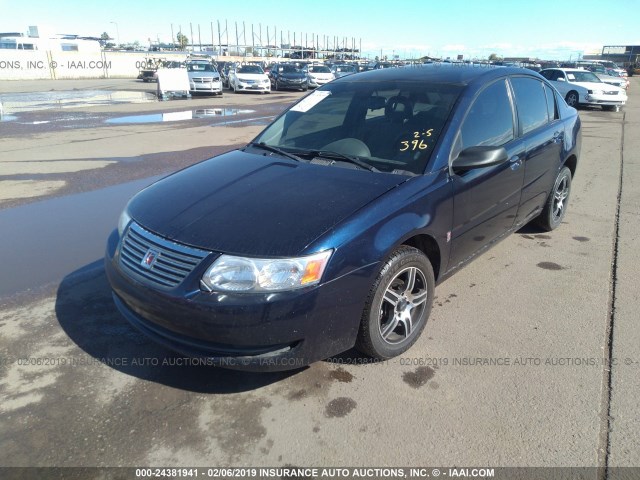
398 306
572 99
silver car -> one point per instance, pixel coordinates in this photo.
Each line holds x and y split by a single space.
204 78
613 80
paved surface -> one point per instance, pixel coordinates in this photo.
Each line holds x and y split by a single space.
513 369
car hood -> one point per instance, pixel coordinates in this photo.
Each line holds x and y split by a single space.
204 75
293 75
256 205
595 86
321 75
611 78
251 76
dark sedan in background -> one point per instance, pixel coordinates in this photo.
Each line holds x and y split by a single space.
332 228
288 76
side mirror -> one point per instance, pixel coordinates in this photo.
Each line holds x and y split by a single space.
479 157
560 79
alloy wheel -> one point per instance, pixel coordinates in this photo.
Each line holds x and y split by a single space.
559 198
403 305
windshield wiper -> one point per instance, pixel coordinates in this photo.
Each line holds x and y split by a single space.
343 157
277 150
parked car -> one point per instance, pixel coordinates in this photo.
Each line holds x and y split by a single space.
223 70
334 225
621 82
613 66
288 76
582 87
536 67
600 69
249 78
224 75
342 70
318 75
624 76
204 78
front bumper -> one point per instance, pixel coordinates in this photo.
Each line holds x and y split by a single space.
253 87
203 87
259 332
317 82
293 84
604 99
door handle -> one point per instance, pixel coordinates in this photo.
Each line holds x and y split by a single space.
557 137
516 162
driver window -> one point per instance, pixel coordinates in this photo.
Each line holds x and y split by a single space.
489 122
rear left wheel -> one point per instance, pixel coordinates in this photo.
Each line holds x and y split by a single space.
398 306
556 206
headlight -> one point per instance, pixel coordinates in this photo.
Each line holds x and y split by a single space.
123 222
265 80
240 274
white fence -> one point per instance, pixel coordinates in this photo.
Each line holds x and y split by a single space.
50 65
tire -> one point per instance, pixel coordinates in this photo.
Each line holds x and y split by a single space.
394 315
572 99
610 108
277 86
556 205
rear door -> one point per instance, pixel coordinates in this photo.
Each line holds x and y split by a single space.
486 199
542 132
557 79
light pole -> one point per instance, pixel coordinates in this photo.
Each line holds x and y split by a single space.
117 32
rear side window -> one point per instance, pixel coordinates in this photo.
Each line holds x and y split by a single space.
531 102
490 119
552 75
552 109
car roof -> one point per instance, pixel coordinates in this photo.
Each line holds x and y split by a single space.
458 74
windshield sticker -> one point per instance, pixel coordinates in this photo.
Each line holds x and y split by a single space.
418 142
571 76
310 101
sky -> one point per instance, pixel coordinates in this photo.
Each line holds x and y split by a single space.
548 29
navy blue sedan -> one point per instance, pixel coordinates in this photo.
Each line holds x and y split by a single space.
331 229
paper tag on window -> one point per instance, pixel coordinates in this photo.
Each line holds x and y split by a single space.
571 76
310 101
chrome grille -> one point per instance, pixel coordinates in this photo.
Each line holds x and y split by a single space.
170 262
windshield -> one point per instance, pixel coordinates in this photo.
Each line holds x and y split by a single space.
200 67
250 69
288 69
582 76
390 125
319 70
345 68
